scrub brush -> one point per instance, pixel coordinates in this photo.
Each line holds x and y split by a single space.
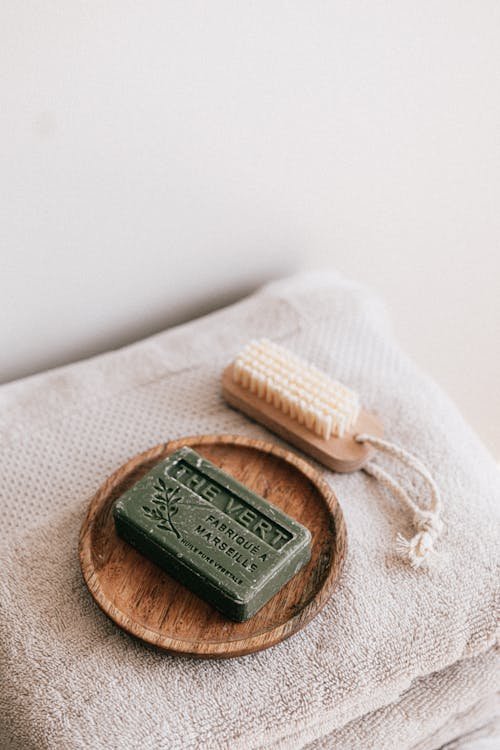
325 419
301 404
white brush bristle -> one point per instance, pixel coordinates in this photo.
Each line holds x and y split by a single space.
296 388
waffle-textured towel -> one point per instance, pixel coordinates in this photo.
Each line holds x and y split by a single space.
397 659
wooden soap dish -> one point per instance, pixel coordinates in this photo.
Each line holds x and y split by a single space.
149 604
340 454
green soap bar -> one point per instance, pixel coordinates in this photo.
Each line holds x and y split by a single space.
210 532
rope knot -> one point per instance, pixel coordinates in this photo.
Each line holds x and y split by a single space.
417 548
429 522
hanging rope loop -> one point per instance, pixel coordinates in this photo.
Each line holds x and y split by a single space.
426 520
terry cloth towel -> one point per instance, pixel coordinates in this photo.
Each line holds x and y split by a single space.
399 658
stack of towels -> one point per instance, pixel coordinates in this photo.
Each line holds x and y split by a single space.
399 658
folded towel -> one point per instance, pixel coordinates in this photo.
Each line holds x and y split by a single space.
399 658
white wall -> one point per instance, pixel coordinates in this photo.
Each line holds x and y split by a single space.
152 148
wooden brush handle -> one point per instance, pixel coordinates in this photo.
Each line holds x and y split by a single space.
339 454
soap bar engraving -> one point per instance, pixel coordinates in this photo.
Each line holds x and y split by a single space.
211 561
248 517
246 552
174 501
212 533
166 501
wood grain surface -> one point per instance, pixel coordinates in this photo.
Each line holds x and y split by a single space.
339 454
149 604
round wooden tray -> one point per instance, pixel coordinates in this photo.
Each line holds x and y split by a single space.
147 603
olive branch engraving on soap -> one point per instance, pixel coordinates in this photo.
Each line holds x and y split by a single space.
166 505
